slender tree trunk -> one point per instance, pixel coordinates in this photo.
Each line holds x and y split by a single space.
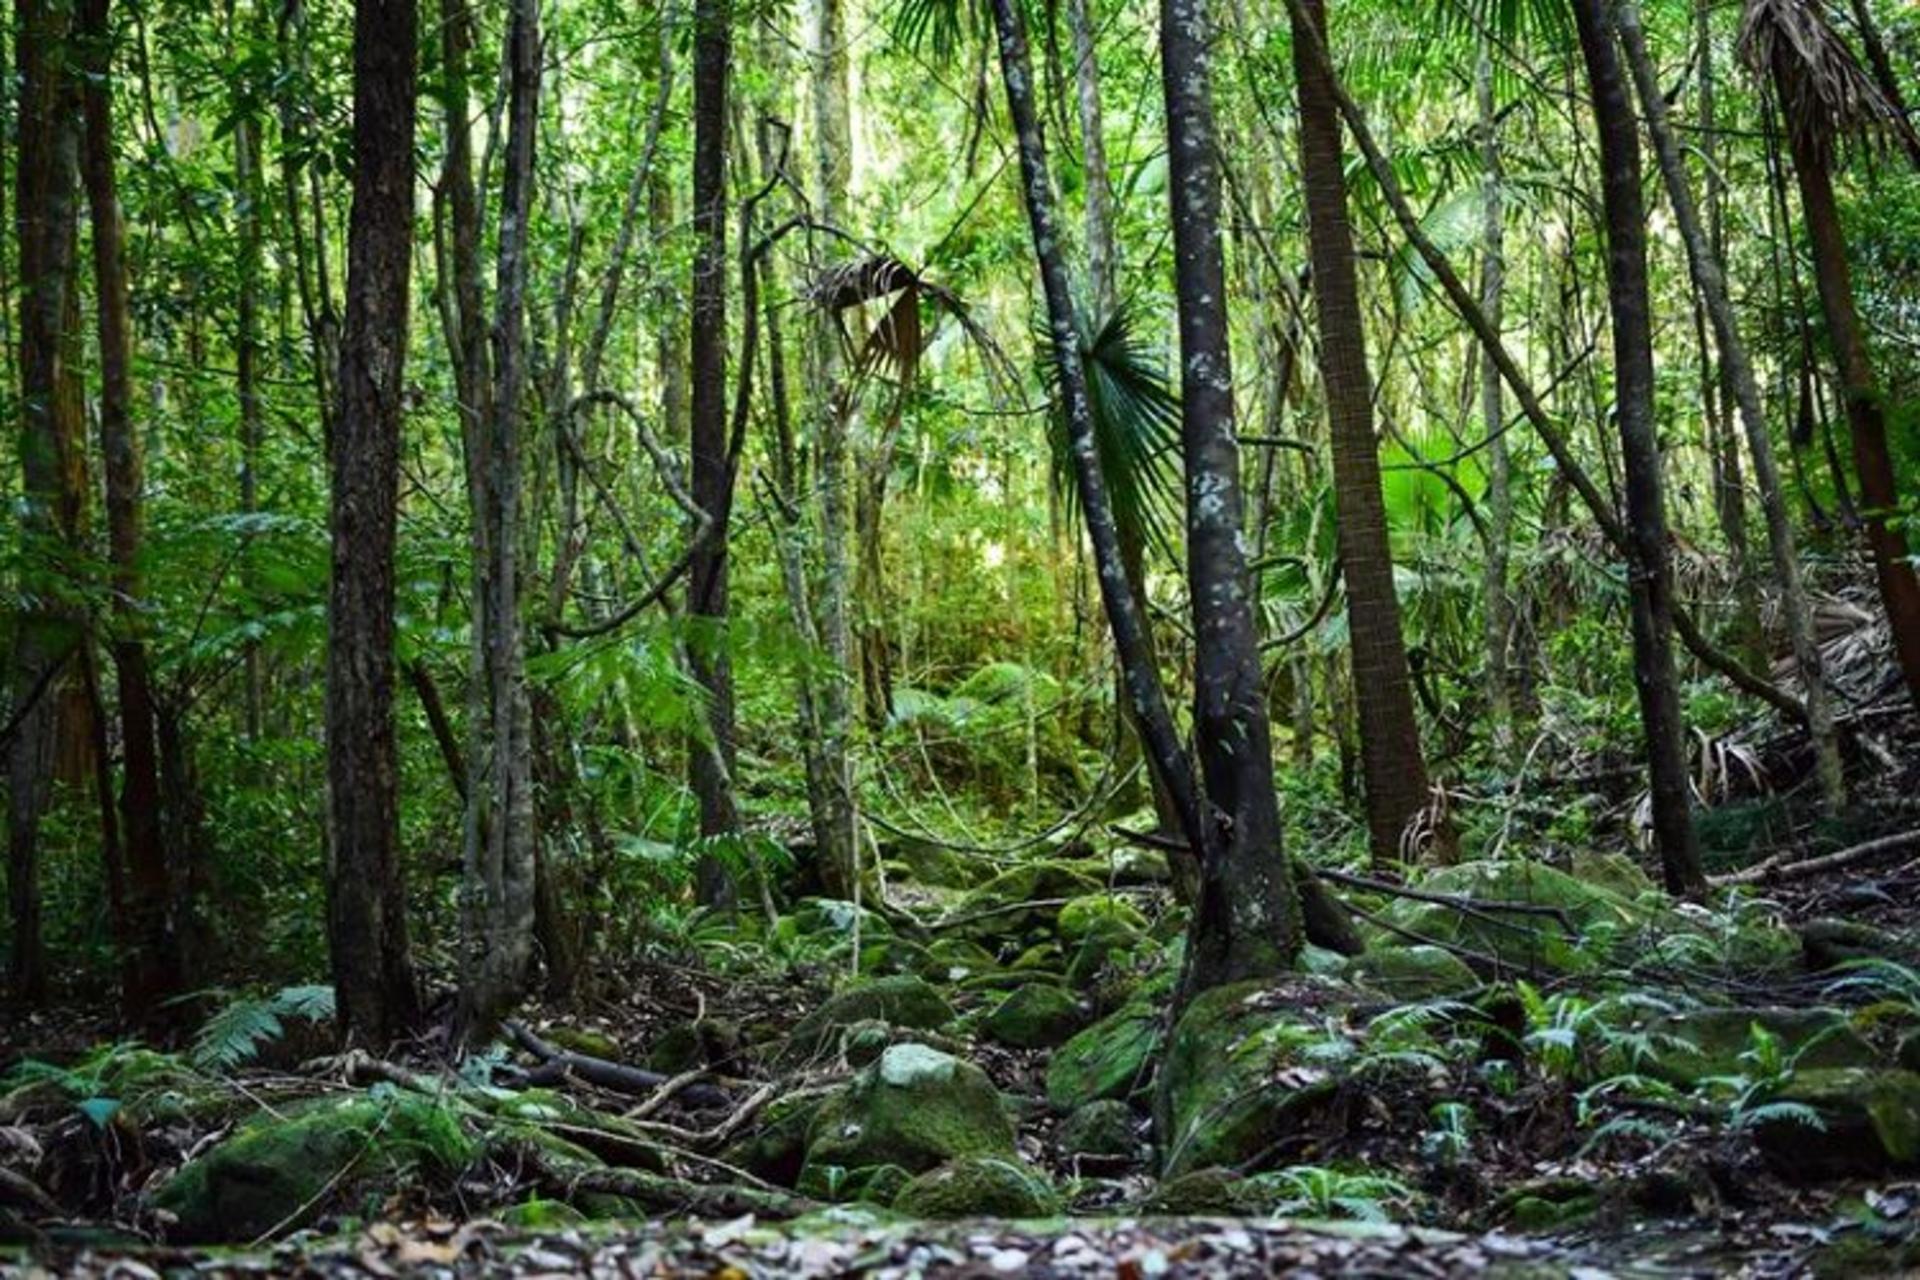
498 921
1102 262
153 972
247 345
1493 413
712 476
1247 919
52 490
1866 414
367 921
1880 62
1649 567
1710 280
1395 772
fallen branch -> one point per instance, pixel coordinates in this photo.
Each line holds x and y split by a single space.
659 1192
1477 907
1773 870
558 1065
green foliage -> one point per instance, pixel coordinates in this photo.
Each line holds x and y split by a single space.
1317 1192
244 1025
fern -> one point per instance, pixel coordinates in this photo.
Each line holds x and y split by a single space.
233 1036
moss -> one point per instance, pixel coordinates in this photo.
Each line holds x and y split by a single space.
281 1171
1413 973
978 1187
1201 1193
914 1107
1871 1118
1099 913
594 1044
1038 1015
1525 940
936 864
1698 1043
1246 1063
1537 1213
542 1215
902 1000
1102 1128
956 959
1612 871
1105 1060
1031 882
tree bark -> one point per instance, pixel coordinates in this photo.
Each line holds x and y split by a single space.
1649 567
1394 769
152 969
1102 262
1710 280
367 923
1498 605
1247 920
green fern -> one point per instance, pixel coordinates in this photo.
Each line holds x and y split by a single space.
233 1036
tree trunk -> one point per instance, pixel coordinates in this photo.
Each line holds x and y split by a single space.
1710 280
1866 415
1395 772
1880 62
152 972
1499 496
1247 920
367 922
712 476
247 345
1649 568
52 488
498 920
1102 263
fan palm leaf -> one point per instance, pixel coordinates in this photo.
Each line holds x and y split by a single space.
1828 94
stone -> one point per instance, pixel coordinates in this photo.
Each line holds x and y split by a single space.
1613 871
1105 1060
1038 882
915 1107
938 865
955 960
1412 973
1100 913
1871 1119
1200 1193
282 1171
1827 943
1038 1015
1525 940
978 1187
902 1000
1695 1044
1102 1128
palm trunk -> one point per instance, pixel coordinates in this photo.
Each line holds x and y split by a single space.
1395 772
1649 569
153 970
1499 496
367 906
1710 280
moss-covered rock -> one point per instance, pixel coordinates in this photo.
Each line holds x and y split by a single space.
542 1215
1525 940
1694 1044
1105 1060
279 1171
1828 943
956 960
1611 870
708 1042
1412 973
902 1000
978 1187
1871 1119
595 1044
914 1107
1040 883
1102 1128
938 865
1095 913
1246 1065
1038 1015
1201 1193
777 1148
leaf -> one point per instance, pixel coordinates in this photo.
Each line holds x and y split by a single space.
99 1110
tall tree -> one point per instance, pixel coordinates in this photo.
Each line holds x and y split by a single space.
1497 604
152 970
366 898
46 162
1649 563
500 863
1246 920
1395 771
1824 96
1709 280
712 467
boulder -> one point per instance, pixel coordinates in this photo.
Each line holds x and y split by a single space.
1869 1123
1412 973
1038 1015
1828 943
1204 1193
915 1107
1100 913
1102 1128
1248 1064
1695 1044
1613 871
1105 1060
902 1000
937 865
978 1187
955 960
281 1171
1040 883
1523 939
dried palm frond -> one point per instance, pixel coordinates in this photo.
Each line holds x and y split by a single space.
1826 94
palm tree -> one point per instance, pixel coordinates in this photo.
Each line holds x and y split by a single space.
1395 772
1826 97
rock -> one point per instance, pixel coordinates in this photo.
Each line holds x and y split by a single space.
1102 1128
709 1042
956 959
1828 943
1201 1193
1522 939
1036 1016
1105 1060
1247 1066
978 1187
902 1000
282 1171
1100 913
777 1147
1031 882
1612 871
1694 1044
914 1107
1871 1118
938 865
1413 973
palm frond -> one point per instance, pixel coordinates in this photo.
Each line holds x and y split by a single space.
1826 94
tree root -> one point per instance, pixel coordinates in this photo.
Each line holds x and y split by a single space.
559 1065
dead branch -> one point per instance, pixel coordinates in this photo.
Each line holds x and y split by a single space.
558 1065
1774 870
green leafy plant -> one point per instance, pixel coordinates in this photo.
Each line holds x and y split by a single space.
1316 1191
236 1034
